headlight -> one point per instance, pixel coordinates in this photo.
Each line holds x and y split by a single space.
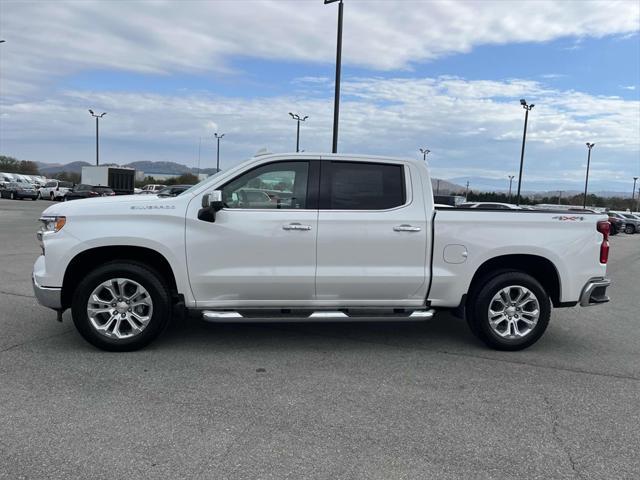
52 224
49 226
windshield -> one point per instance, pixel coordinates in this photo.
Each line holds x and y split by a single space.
200 183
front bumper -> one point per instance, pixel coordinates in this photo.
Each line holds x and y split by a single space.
595 292
48 296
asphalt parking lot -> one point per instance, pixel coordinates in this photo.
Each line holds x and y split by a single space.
383 400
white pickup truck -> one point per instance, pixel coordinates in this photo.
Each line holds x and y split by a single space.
314 237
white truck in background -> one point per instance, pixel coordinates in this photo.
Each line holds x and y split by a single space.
314 237
120 179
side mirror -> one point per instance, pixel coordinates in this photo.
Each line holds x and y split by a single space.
211 203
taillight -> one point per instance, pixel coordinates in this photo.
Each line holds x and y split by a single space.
604 227
94 194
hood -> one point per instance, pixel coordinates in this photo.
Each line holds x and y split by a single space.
119 204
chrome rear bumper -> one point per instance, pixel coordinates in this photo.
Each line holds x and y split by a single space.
595 292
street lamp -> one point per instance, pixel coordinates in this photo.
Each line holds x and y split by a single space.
298 119
424 153
527 108
336 100
633 192
586 181
511 177
466 192
97 117
218 137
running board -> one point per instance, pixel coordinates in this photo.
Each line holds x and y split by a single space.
227 316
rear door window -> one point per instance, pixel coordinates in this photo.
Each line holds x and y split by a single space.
362 186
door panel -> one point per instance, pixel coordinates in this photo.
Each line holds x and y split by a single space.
371 257
261 249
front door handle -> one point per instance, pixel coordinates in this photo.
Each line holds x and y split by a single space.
296 226
406 228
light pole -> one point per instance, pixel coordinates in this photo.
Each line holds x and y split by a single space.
438 187
560 192
218 137
633 192
97 117
586 181
425 152
511 177
298 119
336 100
527 108
466 192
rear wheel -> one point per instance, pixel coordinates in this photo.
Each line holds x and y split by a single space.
630 229
509 311
121 306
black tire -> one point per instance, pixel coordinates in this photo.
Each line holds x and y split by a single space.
478 303
630 229
34 198
147 278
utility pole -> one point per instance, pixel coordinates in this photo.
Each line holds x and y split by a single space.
560 192
438 187
466 192
97 117
218 137
297 117
586 181
336 100
425 152
527 108
511 177
635 179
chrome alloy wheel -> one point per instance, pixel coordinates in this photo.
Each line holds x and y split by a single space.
513 312
119 308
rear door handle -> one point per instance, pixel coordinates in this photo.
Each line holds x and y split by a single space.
296 226
406 228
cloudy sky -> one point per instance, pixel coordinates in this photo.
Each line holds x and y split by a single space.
442 75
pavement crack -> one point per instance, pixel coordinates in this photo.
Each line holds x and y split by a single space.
555 426
458 354
4 292
34 340
550 367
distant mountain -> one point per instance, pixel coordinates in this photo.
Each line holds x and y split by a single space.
48 169
149 168
546 187
160 167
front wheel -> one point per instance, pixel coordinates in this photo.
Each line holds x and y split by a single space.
121 306
509 311
630 229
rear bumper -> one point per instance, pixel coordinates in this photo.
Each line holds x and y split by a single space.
595 292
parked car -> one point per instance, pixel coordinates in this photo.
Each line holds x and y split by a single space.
151 189
88 191
618 223
173 190
351 238
55 189
18 191
489 206
632 223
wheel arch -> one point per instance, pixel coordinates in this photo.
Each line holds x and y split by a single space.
87 260
540 268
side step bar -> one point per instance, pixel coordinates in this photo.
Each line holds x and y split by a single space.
228 316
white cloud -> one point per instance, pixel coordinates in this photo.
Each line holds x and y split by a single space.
49 39
472 127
